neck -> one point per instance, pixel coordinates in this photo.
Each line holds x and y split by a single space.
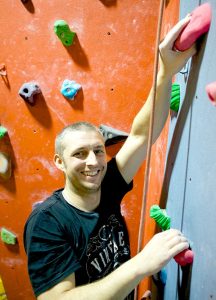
86 201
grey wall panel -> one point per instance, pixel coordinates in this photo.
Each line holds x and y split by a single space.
190 178
175 176
199 213
176 166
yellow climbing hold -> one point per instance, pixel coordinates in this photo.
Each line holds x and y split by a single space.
2 291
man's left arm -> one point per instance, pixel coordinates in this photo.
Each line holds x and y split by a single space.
133 152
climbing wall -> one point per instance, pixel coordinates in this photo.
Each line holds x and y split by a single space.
189 185
112 59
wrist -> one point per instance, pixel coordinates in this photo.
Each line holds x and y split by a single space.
142 268
164 76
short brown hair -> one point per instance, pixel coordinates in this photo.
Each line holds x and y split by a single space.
77 126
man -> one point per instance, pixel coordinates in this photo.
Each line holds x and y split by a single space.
76 241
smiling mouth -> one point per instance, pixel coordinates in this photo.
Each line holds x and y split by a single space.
91 173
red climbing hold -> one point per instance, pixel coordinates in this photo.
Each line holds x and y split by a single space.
211 91
185 257
198 25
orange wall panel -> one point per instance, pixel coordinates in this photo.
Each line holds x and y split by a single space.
112 58
158 156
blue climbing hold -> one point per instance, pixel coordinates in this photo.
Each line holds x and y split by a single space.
70 88
163 276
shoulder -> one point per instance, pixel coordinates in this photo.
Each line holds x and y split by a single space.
47 205
114 177
114 187
45 219
112 169
50 243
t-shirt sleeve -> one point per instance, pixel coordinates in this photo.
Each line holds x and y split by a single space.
114 184
51 256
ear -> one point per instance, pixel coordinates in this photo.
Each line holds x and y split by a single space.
59 162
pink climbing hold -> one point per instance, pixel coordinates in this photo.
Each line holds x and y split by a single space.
185 257
199 24
211 91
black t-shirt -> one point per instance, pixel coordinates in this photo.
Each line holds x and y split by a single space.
60 239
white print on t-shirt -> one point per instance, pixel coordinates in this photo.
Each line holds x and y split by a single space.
107 250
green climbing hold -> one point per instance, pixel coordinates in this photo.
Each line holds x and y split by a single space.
64 33
160 216
3 131
175 97
8 237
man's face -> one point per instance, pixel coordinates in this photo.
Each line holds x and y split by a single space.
84 160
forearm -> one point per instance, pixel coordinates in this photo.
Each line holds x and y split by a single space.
115 286
170 64
141 123
134 150
118 284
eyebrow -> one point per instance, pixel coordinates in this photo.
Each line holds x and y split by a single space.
99 146
94 147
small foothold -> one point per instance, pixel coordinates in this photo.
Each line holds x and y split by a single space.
147 295
112 135
64 33
163 276
185 257
3 71
160 278
8 237
198 25
3 131
160 216
175 97
5 166
3 295
70 88
28 90
211 92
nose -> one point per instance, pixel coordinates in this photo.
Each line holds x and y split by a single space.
91 158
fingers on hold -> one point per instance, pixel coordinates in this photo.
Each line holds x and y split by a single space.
183 239
180 247
191 51
176 30
173 231
177 240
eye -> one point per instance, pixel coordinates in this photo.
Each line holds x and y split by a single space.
99 151
80 154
